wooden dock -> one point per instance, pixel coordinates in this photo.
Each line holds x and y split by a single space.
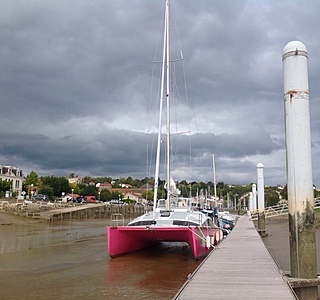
239 268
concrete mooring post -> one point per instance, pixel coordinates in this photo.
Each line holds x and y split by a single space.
261 215
254 197
303 256
250 202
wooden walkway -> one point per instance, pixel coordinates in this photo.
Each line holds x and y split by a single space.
240 268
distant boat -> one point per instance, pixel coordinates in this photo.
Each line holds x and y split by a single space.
227 220
173 219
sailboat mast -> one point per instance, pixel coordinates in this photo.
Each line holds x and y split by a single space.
214 178
168 102
156 179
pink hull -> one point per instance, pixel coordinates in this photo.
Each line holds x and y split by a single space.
127 239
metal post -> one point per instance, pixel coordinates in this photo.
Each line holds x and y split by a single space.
303 254
261 215
254 197
214 178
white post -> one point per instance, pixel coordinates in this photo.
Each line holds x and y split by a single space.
299 166
261 215
260 180
250 202
254 197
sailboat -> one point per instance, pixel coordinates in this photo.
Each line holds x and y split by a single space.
173 219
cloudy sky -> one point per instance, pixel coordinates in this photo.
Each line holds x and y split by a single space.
76 88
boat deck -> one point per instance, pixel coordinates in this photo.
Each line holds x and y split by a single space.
240 268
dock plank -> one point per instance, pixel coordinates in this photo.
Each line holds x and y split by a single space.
239 268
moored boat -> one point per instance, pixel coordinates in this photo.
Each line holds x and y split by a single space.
178 224
173 219
227 220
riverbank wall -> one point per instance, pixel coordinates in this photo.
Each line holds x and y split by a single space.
51 211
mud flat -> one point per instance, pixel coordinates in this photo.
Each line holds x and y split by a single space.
277 241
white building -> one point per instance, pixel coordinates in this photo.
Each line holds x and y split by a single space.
14 175
76 180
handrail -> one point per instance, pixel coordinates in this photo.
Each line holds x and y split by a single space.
279 209
116 218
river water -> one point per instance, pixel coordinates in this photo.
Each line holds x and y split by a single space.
69 260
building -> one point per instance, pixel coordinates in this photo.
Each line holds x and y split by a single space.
134 194
76 180
13 174
105 186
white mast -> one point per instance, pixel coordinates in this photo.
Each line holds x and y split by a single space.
214 178
156 179
165 70
168 103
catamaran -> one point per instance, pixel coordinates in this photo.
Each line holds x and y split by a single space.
174 218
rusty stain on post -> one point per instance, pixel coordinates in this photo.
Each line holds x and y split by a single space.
292 93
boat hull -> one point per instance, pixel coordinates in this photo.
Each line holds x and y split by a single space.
125 239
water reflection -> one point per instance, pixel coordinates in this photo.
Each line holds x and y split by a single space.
158 272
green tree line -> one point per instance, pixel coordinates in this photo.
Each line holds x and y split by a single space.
54 186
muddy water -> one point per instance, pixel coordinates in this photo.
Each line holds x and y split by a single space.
69 260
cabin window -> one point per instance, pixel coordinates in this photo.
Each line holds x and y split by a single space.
165 213
141 223
184 223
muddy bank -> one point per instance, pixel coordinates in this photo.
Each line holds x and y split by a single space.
11 219
52 211
277 241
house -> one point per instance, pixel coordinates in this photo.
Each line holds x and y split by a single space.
126 185
134 194
14 175
105 186
76 180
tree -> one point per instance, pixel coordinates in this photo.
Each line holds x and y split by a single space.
184 187
4 186
89 190
32 178
46 190
87 179
101 180
105 195
116 195
148 195
75 188
195 188
129 180
59 184
271 197
284 193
